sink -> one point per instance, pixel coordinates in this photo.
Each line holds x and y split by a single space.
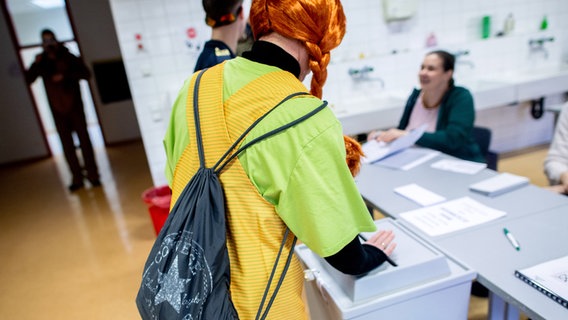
351 105
359 113
484 84
490 92
535 83
365 105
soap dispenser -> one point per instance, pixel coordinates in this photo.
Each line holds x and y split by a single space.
544 23
431 40
485 27
509 24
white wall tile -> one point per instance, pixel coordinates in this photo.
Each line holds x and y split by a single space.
177 7
128 29
152 9
125 10
142 87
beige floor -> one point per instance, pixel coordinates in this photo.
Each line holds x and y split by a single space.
80 255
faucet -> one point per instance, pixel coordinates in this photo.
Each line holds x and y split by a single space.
460 53
354 73
363 75
537 45
459 58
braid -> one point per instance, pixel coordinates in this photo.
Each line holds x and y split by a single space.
318 66
319 24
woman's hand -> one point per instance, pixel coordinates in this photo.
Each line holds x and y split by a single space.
386 136
562 186
373 135
384 241
558 188
564 181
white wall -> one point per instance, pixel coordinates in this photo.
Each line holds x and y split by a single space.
157 72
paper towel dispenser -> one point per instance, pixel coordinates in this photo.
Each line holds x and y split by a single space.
399 9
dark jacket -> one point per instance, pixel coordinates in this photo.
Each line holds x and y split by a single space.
453 127
64 96
214 52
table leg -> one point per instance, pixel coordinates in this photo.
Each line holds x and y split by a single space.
501 310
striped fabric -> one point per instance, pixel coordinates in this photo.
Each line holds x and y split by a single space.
254 229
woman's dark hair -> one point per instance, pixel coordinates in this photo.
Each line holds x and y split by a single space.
448 61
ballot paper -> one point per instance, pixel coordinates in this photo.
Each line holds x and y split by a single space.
376 150
459 166
418 194
407 158
499 184
451 216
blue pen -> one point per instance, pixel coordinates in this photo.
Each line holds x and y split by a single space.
512 239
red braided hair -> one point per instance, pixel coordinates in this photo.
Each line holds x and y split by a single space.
320 25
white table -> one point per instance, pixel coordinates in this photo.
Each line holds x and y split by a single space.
537 217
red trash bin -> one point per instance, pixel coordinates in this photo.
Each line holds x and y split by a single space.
158 200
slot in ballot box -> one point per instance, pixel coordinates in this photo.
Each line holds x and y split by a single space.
425 285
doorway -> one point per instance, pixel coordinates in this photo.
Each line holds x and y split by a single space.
28 18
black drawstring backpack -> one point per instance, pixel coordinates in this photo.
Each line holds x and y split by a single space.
187 273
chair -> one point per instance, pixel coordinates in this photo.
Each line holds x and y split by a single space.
483 138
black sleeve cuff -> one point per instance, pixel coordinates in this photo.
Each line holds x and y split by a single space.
357 259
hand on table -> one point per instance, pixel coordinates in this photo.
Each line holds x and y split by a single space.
386 136
564 181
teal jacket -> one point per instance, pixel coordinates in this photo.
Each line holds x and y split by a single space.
453 128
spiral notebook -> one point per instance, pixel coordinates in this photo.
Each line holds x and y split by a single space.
550 278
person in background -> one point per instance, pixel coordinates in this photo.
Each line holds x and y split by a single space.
227 21
556 161
245 41
284 181
61 72
446 109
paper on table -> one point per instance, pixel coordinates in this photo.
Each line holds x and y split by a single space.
418 194
499 184
408 158
375 150
451 216
460 166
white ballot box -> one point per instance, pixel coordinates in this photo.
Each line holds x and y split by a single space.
424 285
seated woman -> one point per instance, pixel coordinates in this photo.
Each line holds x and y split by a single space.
447 111
556 161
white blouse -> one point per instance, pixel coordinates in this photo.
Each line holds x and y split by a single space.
421 115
